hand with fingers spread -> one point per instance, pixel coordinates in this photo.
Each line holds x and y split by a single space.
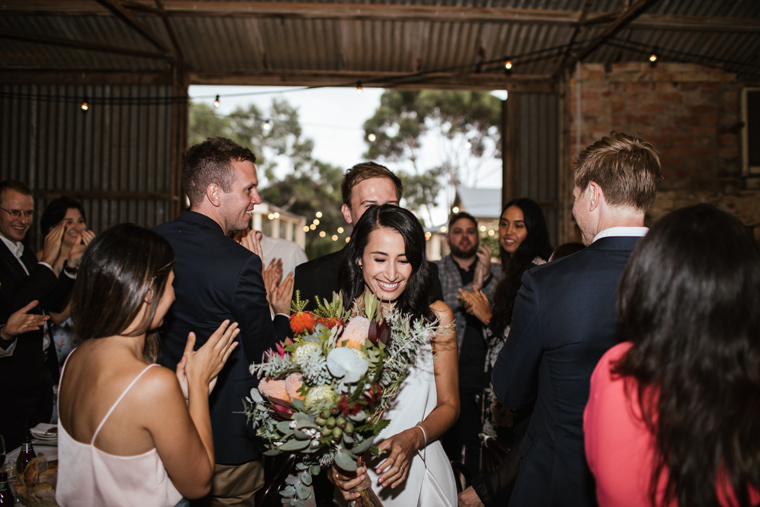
21 322
78 248
200 368
395 468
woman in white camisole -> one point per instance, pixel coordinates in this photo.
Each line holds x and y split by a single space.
128 435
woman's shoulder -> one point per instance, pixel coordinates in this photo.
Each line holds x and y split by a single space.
442 312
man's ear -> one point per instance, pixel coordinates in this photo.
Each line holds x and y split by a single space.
346 213
595 195
213 194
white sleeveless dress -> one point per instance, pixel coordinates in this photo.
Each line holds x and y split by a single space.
430 482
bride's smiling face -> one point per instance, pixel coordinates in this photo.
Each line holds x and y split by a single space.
384 266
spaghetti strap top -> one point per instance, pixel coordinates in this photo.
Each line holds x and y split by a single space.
90 476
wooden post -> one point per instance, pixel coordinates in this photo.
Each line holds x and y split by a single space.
179 139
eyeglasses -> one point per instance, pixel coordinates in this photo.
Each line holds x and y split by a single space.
16 214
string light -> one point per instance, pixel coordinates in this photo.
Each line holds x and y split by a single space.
267 125
340 230
334 237
85 105
316 221
312 227
371 137
318 214
491 233
455 210
322 234
443 229
653 58
508 66
482 228
305 228
348 239
359 88
216 102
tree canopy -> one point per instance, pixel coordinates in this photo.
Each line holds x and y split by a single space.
463 127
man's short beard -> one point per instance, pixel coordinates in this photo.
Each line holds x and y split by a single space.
464 254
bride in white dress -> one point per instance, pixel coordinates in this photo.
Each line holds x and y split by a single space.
386 257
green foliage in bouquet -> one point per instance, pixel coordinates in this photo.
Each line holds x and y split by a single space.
323 393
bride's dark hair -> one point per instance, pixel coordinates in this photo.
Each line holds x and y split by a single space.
689 299
416 298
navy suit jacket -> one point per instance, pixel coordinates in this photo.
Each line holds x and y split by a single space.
565 318
25 377
217 279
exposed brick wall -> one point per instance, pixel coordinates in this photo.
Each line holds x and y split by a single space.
691 113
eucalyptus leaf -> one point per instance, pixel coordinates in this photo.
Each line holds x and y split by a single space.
298 405
271 452
288 491
344 461
296 503
303 492
300 435
294 445
347 439
362 447
306 478
291 480
315 469
284 427
301 466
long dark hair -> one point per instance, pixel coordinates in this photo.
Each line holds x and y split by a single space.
118 270
415 300
689 300
56 211
535 244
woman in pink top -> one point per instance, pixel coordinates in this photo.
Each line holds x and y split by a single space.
128 435
673 417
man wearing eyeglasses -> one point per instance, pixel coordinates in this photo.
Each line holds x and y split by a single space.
28 362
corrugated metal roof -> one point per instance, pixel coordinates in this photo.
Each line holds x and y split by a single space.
308 42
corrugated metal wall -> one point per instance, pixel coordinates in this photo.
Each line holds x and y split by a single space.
532 153
115 158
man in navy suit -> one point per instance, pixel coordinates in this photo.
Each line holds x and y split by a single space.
565 318
28 362
216 279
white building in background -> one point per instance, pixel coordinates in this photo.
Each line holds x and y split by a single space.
482 203
275 222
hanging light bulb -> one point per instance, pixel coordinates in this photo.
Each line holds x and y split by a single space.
359 88
216 102
267 125
371 137
85 105
653 58
508 66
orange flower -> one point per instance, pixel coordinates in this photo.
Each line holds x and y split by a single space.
293 382
273 388
355 333
302 322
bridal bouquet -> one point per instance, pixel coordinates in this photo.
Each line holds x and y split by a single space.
323 393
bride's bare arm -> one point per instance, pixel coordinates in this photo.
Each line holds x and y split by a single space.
393 470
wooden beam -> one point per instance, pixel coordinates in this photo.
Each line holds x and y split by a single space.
77 44
354 11
623 19
106 194
130 21
578 28
84 77
172 34
483 81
